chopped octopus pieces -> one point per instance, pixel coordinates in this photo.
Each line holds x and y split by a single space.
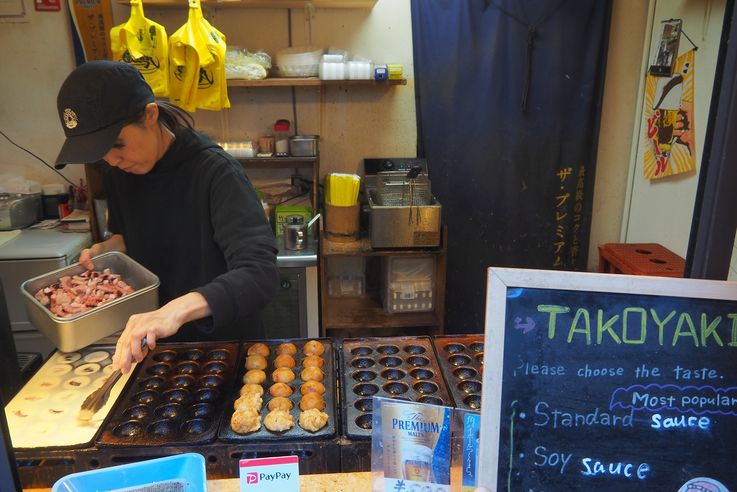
72 295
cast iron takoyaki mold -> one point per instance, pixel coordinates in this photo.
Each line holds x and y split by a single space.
227 434
402 368
178 396
462 362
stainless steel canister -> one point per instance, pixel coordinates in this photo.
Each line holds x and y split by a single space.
295 233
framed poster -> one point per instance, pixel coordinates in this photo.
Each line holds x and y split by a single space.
608 382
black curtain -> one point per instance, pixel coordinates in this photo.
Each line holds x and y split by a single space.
508 107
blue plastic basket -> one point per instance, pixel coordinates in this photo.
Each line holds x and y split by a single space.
180 473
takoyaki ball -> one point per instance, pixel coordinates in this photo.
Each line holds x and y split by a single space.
312 387
279 420
282 375
312 400
280 403
280 389
245 421
252 388
313 420
255 376
286 348
256 361
313 347
284 360
313 361
248 401
312 374
259 349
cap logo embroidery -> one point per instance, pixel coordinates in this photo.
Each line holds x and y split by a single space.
70 118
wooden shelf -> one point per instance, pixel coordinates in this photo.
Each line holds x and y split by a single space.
277 162
309 82
270 4
362 247
367 312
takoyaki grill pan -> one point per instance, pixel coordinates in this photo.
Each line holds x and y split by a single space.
403 368
227 434
462 362
177 398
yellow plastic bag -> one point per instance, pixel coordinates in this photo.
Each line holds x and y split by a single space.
197 64
143 43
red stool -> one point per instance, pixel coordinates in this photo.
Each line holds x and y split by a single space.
640 259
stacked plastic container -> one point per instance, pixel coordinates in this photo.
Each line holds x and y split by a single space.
337 66
409 284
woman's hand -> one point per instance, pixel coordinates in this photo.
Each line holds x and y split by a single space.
155 325
115 243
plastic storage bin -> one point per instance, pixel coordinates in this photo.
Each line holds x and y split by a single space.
184 472
346 276
409 284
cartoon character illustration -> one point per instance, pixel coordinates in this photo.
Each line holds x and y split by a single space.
703 484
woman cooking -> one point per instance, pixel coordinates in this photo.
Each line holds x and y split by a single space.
177 203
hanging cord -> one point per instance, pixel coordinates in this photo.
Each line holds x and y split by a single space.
37 157
695 48
531 35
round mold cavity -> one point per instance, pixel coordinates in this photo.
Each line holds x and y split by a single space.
473 401
425 387
387 349
214 367
396 388
186 367
181 381
390 361
361 351
195 426
168 411
162 428
400 398
420 373
470 387
176 396
364 421
454 348
418 360
152 383
145 397
201 411
365 389
210 381
362 362
432 400
459 359
206 395
165 356
480 357
364 405
364 375
476 347
159 369
136 412
193 354
465 373
415 349
218 354
393 374
131 428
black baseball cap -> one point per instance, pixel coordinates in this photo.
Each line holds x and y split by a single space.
95 101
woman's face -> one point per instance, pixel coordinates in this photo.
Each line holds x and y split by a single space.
138 146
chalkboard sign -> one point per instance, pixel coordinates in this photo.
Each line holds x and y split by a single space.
609 383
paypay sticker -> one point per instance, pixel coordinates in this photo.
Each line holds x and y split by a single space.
269 474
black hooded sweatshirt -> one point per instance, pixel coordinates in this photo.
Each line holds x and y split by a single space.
196 222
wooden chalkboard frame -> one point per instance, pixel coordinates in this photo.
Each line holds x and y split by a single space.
499 280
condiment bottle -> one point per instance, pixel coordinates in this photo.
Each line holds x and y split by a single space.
281 129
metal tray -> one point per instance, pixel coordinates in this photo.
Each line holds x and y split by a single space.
75 332
295 433
461 360
177 399
403 368
43 415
